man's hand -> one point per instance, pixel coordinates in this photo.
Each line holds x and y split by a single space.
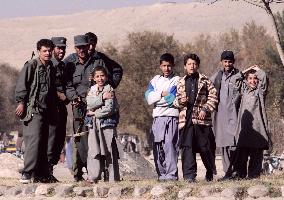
165 93
202 115
20 109
108 95
183 100
76 102
61 96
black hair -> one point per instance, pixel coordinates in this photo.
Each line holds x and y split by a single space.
92 38
44 43
251 71
191 56
168 58
99 68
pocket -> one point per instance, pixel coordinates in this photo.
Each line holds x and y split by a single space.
43 82
76 78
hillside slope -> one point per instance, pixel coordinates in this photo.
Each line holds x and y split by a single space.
18 36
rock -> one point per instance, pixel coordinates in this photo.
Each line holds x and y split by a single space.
100 191
282 190
230 192
13 191
9 165
115 192
83 191
29 189
184 193
139 191
207 191
2 190
64 190
159 190
133 166
44 189
258 191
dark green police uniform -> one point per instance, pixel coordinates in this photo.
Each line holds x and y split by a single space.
78 84
36 89
56 138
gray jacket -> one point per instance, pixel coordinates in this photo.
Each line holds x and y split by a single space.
225 118
77 75
252 130
36 87
107 111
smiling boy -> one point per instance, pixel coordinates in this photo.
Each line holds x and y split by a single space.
161 92
196 99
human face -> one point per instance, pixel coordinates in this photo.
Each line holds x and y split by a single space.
252 81
100 78
228 65
191 66
167 68
45 54
92 48
59 53
82 51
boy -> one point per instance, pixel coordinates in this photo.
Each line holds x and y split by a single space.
196 99
252 136
225 117
161 92
101 140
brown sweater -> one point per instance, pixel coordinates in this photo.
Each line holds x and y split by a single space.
206 100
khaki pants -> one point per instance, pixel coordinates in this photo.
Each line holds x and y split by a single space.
100 159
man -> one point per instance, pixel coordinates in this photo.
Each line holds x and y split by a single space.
57 137
114 69
37 103
225 119
78 69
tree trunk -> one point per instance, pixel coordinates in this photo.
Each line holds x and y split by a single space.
275 31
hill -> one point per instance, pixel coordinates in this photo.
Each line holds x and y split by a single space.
185 20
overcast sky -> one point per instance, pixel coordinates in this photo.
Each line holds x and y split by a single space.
23 8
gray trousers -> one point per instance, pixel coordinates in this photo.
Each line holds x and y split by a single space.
80 146
166 151
35 134
228 154
96 162
56 137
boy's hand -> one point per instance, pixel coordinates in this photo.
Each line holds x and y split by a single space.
108 95
20 109
165 93
201 115
183 100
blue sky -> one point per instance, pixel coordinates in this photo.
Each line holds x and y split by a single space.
23 8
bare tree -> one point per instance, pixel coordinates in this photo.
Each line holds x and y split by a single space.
266 5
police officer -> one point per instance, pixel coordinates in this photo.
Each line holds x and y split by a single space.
115 70
37 104
57 137
78 69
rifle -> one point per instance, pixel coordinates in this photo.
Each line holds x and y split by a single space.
33 54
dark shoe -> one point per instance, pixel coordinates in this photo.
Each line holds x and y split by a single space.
52 179
227 178
78 178
45 179
190 180
25 178
209 179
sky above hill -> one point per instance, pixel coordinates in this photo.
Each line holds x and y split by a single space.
25 8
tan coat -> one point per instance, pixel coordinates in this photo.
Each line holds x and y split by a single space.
206 100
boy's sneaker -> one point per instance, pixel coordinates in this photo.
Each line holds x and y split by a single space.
26 178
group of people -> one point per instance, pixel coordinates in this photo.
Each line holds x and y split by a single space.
86 79
183 111
194 114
